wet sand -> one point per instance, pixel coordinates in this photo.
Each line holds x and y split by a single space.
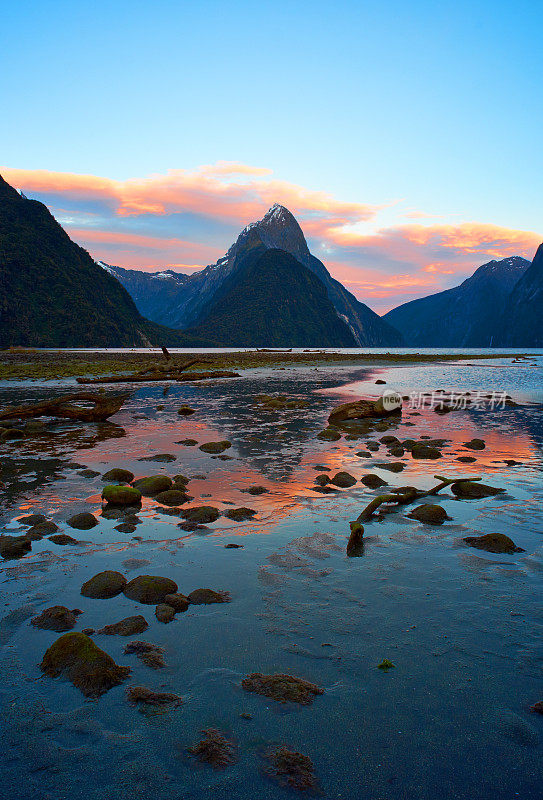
461 626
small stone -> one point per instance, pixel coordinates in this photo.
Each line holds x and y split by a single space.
153 484
32 519
119 475
14 546
329 435
83 522
429 513
201 514
215 447
475 444
141 694
56 618
385 665
172 497
129 626
41 529
372 481
188 442
232 546
121 495
240 514
164 613
343 480
90 669
150 589
63 539
177 601
493 543
256 490
206 596
125 527
165 458
420 450
393 466
473 490
104 585
466 459
88 473
282 688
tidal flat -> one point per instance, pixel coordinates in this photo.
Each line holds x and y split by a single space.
409 669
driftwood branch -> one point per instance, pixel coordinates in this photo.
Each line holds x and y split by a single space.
155 374
406 495
82 406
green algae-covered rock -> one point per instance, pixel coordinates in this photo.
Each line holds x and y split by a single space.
201 514
150 589
119 475
153 484
177 601
121 495
91 670
329 435
215 447
420 450
172 497
165 613
104 585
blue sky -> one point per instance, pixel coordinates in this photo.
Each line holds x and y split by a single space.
429 112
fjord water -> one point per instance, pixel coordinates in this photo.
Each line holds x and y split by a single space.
462 626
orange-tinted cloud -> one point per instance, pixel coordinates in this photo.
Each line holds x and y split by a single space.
126 223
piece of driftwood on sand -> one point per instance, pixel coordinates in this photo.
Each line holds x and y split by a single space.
82 406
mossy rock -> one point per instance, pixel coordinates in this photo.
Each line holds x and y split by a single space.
420 451
83 522
32 519
201 515
429 513
14 546
329 435
392 466
372 481
151 485
343 480
493 543
177 601
322 480
165 613
62 539
172 497
474 490
201 597
121 495
40 530
475 444
255 490
149 589
240 514
91 670
282 688
119 475
56 618
215 447
129 626
186 411
104 585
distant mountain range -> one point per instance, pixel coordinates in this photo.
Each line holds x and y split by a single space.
478 313
53 294
268 290
186 301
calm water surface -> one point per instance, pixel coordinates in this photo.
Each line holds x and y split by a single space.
463 627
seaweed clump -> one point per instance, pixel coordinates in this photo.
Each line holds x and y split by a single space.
291 770
90 669
214 749
282 688
150 654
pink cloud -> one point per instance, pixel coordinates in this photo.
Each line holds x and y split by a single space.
384 267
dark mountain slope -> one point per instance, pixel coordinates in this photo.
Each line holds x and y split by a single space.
52 293
183 300
521 323
464 316
273 301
